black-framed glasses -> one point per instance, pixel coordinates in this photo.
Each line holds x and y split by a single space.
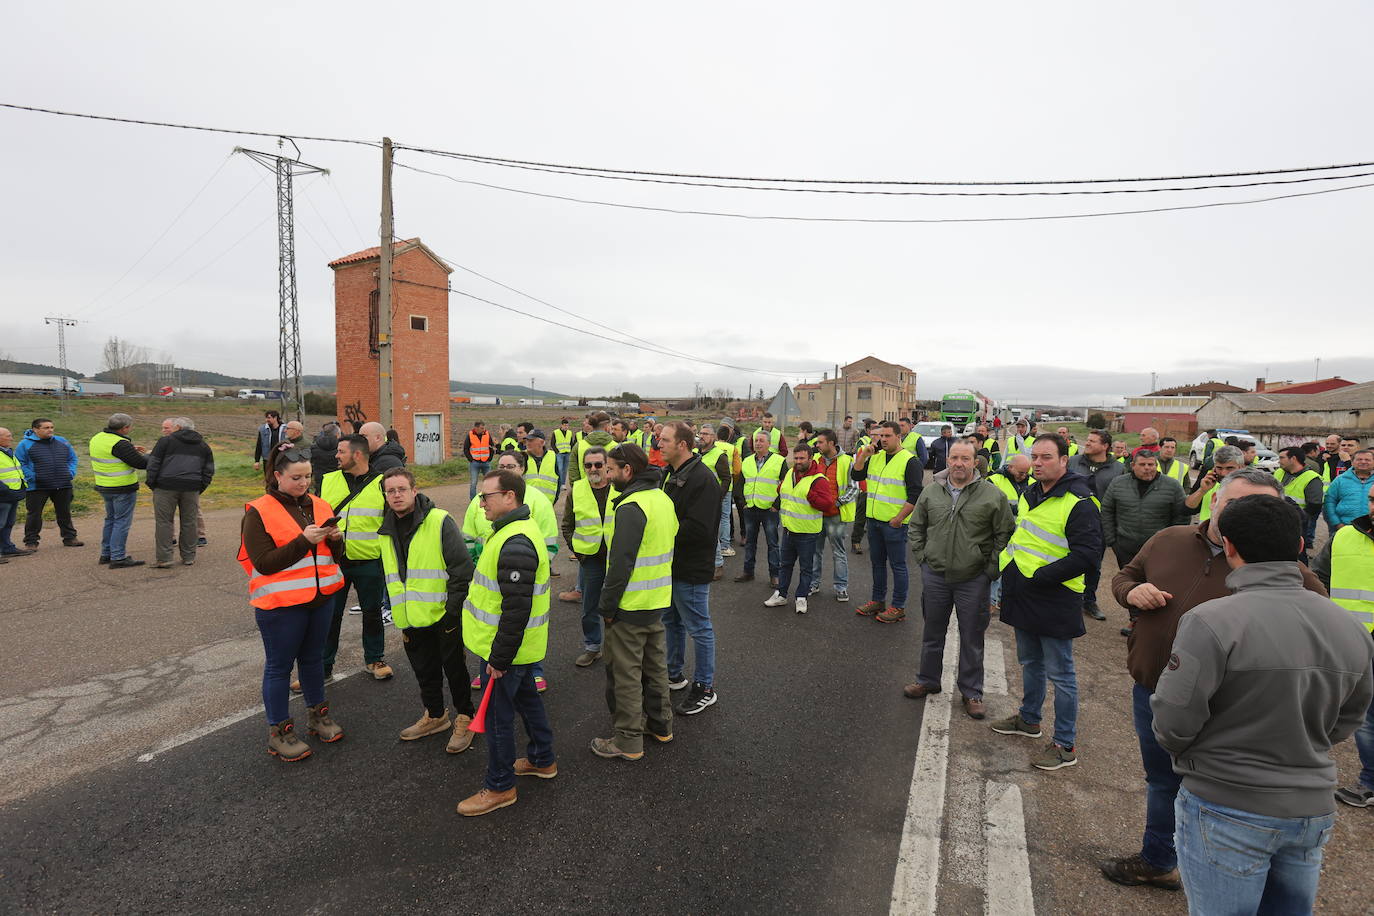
482 497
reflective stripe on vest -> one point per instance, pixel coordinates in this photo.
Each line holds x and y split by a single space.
1295 487
798 515
1178 470
480 447
651 579
1003 483
589 521
482 609
10 474
761 483
1039 537
845 463
109 470
361 518
315 573
562 441
542 474
419 599
887 484
1352 573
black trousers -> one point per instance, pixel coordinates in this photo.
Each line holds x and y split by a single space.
436 653
35 500
856 537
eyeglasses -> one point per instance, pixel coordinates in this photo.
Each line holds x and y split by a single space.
483 497
593 464
394 491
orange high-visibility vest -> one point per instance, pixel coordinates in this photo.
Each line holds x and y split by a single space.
298 583
481 448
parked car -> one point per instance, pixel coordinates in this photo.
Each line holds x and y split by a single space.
929 431
1265 457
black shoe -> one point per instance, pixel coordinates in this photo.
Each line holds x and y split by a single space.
698 698
27 551
203 542
103 560
1093 611
125 563
1133 871
1358 797
73 542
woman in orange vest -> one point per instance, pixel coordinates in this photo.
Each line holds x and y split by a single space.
291 574
477 450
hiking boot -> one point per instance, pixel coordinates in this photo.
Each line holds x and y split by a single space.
974 708
588 658
1133 870
1358 797
523 767
379 670
282 742
485 802
462 736
661 739
572 597
1015 725
869 608
842 594
318 723
1055 758
1092 610
698 699
425 726
919 691
774 600
745 577
72 542
891 615
125 563
606 747
857 548
677 683
801 605
727 552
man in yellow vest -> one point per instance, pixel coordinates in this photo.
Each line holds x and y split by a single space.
1304 487
716 456
562 447
1346 567
637 590
506 625
762 472
1170 465
11 494
428 571
777 443
806 494
1058 539
541 465
895 478
856 536
355 493
115 462
584 527
836 466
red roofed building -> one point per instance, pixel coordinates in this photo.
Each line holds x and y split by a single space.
1316 387
419 341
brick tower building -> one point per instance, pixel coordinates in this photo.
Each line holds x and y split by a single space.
419 326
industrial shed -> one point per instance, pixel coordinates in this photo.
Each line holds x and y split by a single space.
1342 410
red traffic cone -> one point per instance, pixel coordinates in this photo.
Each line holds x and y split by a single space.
479 721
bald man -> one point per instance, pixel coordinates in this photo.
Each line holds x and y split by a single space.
385 453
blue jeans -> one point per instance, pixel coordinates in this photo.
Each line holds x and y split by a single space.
514 693
1161 786
119 518
1364 743
591 575
690 614
995 593
1039 656
1233 861
561 463
723 541
476 471
834 532
768 519
799 550
8 513
292 636
887 546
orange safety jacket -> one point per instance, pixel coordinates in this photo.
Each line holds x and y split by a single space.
298 583
481 448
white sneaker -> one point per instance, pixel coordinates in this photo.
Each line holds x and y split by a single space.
801 605
775 600
355 610
841 594
728 552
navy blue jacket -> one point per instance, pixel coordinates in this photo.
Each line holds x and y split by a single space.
1043 605
47 464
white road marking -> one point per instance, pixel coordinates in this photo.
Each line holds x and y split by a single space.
916 882
1008 880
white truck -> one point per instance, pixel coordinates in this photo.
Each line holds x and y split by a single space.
43 384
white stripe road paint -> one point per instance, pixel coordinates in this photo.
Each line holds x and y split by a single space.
214 725
918 858
994 667
1009 881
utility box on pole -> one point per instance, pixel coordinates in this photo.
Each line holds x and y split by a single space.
419 346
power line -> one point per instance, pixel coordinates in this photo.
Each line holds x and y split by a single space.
172 124
880 220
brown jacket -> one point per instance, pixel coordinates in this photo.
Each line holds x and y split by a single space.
1177 560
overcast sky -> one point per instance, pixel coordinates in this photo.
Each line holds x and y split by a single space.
1067 311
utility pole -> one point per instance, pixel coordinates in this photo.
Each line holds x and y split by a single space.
288 315
62 325
384 291
835 419
531 389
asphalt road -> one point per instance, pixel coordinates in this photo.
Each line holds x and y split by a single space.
133 745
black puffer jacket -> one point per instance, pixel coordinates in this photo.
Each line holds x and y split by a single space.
695 492
182 461
516 569
389 456
324 455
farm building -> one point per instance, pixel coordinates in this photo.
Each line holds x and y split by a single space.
1349 409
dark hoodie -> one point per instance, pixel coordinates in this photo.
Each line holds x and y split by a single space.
401 529
324 456
1043 605
181 461
620 559
389 456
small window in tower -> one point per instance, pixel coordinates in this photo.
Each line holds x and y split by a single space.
419 323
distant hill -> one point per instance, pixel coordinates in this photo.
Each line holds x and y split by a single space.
14 365
146 374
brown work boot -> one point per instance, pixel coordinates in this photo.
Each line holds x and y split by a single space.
462 736
425 726
572 597
606 747
380 670
891 615
1133 870
282 742
745 577
918 691
318 723
485 802
868 609
523 767
974 708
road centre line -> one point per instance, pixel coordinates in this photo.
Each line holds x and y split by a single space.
1008 877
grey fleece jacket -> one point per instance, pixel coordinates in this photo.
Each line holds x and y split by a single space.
1260 686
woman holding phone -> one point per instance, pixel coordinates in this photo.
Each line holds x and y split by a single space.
285 550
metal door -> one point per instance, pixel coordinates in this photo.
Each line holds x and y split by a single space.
429 438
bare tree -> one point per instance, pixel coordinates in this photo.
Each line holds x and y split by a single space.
120 359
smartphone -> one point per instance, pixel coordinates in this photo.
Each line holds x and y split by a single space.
331 523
